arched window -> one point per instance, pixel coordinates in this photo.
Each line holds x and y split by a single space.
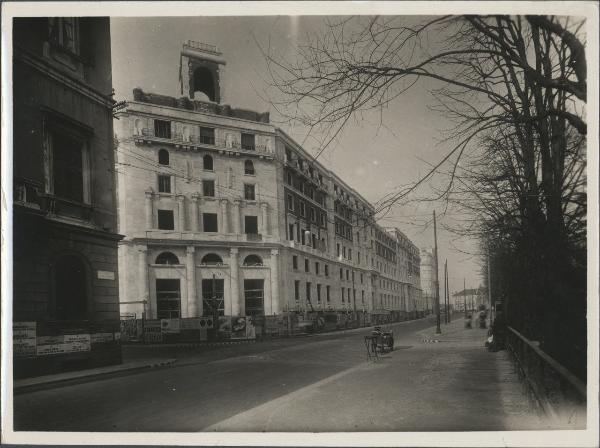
248 167
167 258
207 163
163 157
253 260
204 82
212 259
70 288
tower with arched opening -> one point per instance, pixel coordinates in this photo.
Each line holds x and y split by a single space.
200 71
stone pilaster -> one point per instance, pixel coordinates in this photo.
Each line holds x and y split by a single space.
143 281
194 213
148 209
190 268
236 305
264 207
224 220
236 217
275 300
181 210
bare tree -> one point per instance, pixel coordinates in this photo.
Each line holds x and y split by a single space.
514 88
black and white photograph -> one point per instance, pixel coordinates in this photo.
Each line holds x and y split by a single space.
300 223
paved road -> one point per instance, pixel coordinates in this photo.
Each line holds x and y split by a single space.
320 383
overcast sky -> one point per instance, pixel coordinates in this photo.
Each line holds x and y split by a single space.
373 159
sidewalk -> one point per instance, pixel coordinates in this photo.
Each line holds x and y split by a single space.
447 382
78 376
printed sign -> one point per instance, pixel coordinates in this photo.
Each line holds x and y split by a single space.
67 343
192 323
170 325
106 275
24 339
98 338
250 330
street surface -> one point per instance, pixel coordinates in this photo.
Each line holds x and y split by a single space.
318 383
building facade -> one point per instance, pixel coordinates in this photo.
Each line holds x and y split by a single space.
223 213
428 278
65 305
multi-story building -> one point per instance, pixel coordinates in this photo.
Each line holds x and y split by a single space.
224 213
428 278
65 305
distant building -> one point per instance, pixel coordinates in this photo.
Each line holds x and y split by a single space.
428 277
66 302
223 213
472 297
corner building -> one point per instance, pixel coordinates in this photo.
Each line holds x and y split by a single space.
221 209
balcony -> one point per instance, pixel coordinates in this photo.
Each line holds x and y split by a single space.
56 206
197 142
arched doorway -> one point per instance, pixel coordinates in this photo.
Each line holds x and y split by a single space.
70 288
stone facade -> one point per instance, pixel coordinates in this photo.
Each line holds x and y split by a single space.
227 206
65 227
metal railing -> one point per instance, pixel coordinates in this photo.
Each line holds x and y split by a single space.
202 46
550 387
179 139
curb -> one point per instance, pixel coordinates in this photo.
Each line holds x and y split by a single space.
40 383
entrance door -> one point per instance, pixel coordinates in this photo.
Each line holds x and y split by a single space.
213 296
168 298
254 297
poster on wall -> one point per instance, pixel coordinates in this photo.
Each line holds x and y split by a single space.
224 327
250 329
170 325
66 343
238 327
24 339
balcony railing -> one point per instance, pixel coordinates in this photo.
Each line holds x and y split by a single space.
191 140
202 46
54 205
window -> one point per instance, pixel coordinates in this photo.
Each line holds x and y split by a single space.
358 255
317 266
167 258
303 237
209 222
341 274
162 128
349 253
64 32
168 298
212 296
212 259
302 209
318 293
254 297
69 171
347 275
314 240
208 188
306 265
338 249
326 270
163 157
361 278
344 251
295 262
323 219
249 168
249 193
207 135
291 232
362 293
327 293
248 142
343 296
253 260
297 290
313 215
207 163
289 178
308 286
290 202
165 220
164 183
251 225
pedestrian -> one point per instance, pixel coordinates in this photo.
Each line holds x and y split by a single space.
498 332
